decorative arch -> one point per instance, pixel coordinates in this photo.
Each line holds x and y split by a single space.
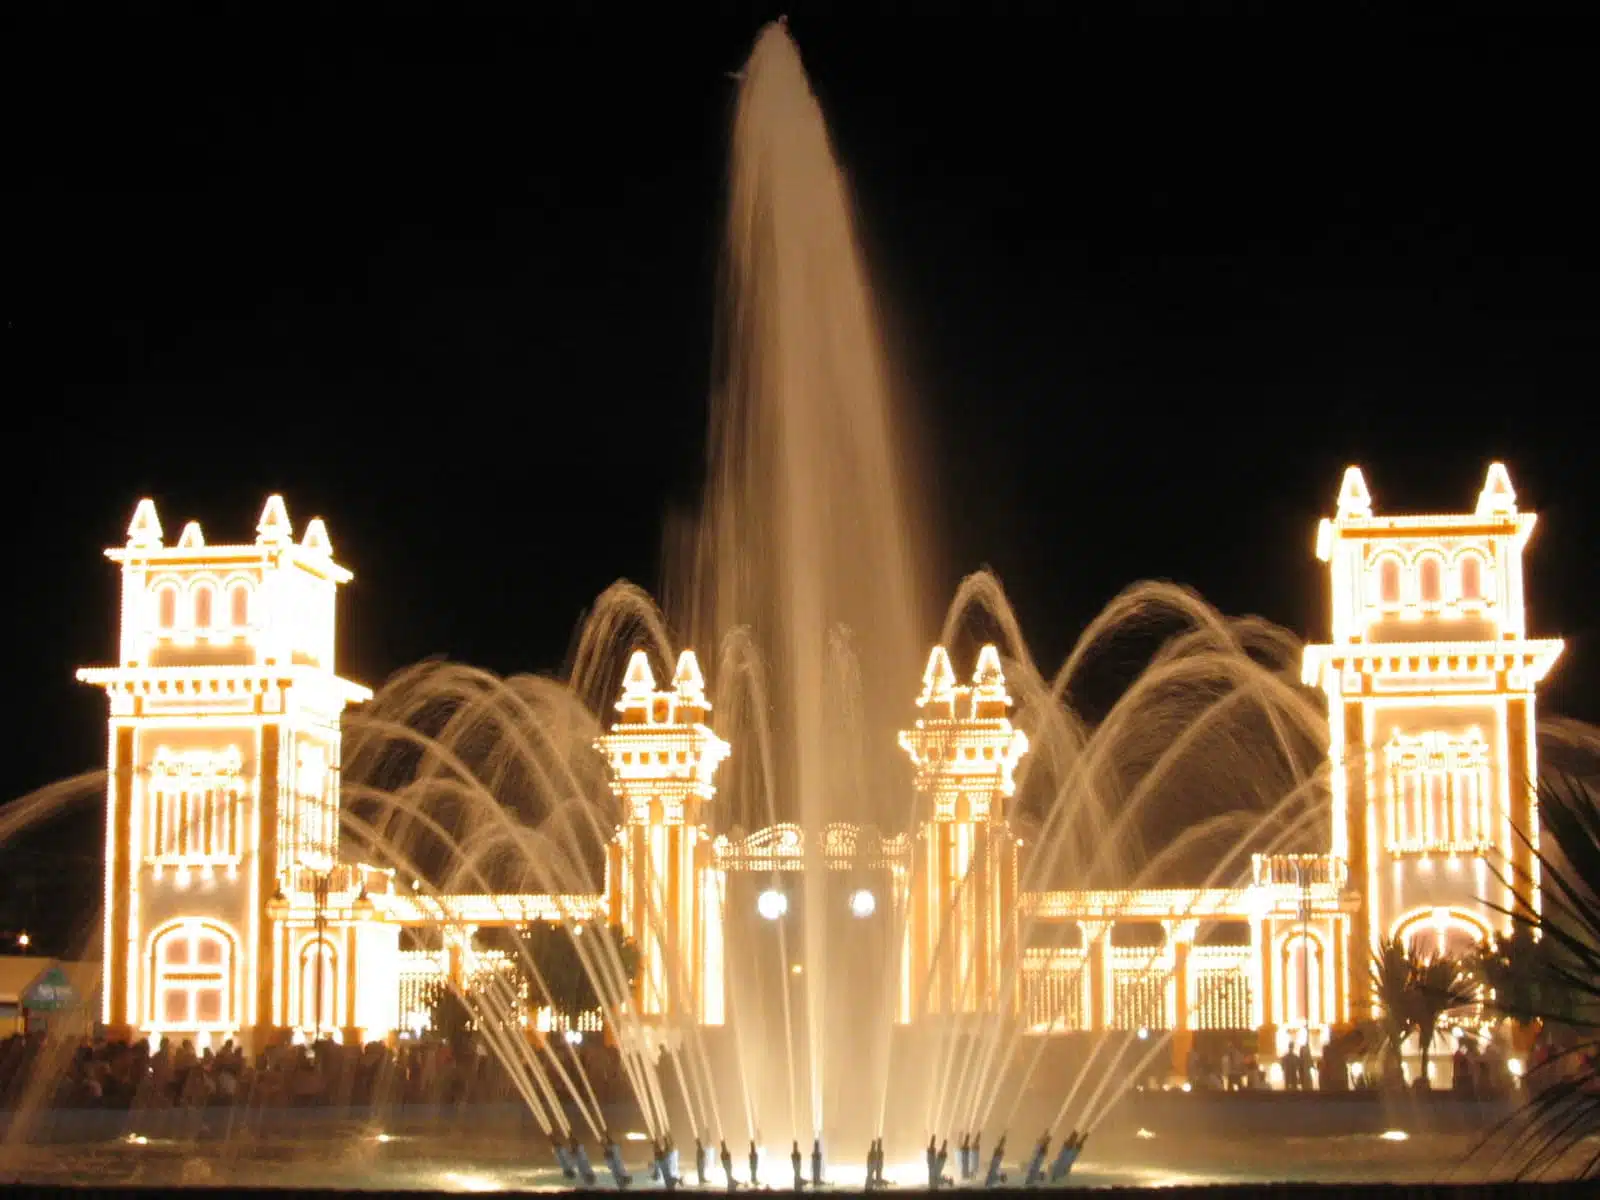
1454 931
317 955
203 603
164 594
1387 580
1429 570
1302 961
239 591
1470 577
195 977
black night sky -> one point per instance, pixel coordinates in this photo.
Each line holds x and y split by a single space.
445 277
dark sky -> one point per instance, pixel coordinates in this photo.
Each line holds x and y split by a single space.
1153 276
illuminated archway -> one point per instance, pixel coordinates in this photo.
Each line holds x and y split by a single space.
1303 974
317 955
1434 931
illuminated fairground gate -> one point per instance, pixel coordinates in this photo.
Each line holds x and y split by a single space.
947 895
231 912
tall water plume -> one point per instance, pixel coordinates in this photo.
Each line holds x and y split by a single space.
806 536
806 545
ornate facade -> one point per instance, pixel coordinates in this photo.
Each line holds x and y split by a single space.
230 912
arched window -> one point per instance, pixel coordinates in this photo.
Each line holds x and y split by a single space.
1302 981
318 986
167 606
204 601
1430 579
1389 581
239 605
191 974
1471 581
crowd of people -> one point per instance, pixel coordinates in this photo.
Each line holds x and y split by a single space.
97 1073
1474 1069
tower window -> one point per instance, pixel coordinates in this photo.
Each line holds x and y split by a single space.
1389 582
193 808
190 978
239 605
1430 580
166 606
204 598
1439 794
1471 577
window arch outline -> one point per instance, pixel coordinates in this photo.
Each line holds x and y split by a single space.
165 608
233 588
194 975
203 604
1459 590
1430 562
1388 566
304 1010
1288 974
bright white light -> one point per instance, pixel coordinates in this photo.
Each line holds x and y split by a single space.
1144 1034
462 1181
1144 1134
772 905
574 1037
635 1136
1395 1135
1515 1067
863 903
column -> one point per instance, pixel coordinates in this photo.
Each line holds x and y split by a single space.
268 801
1096 938
1267 1039
1521 804
1181 934
120 954
1357 799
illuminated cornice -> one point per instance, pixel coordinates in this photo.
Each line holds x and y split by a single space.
1532 657
1171 904
203 682
480 909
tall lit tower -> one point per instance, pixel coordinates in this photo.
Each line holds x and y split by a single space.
224 767
660 888
1430 678
963 926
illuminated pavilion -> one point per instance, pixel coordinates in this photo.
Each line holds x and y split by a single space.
229 911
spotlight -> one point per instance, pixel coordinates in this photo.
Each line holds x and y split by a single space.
863 903
772 905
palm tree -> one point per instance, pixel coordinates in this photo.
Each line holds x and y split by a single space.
1565 972
1438 985
1391 982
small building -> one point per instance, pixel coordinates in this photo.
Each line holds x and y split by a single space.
55 994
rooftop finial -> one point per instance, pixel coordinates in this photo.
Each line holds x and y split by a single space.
638 682
191 538
1498 498
1354 499
315 540
989 698
144 531
688 682
939 680
273 529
